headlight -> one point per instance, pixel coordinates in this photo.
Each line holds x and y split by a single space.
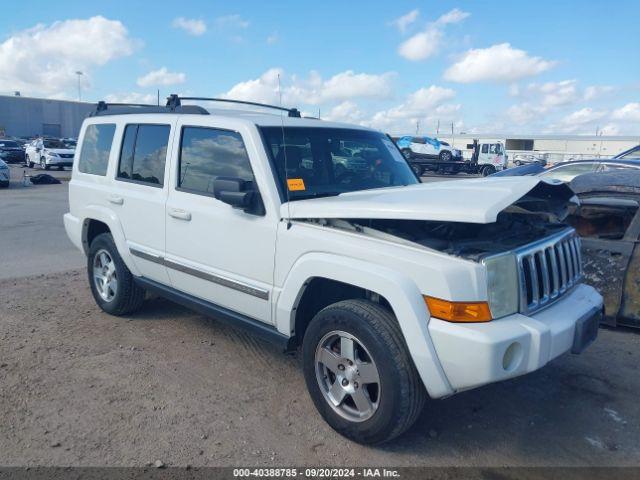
53 154
502 284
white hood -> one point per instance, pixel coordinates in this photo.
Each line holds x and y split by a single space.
60 151
471 201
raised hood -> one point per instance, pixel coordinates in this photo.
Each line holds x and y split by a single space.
472 201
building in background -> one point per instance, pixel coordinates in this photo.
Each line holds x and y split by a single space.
30 117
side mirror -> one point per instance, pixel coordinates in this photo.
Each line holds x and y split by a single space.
239 194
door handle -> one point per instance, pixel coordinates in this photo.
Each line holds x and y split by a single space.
116 200
180 214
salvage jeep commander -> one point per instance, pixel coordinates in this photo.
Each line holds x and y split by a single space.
318 235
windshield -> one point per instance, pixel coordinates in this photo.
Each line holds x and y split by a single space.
54 144
329 161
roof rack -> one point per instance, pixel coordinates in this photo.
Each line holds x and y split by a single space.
174 101
104 108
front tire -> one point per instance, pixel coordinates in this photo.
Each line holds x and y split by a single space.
445 156
417 169
112 284
359 373
43 163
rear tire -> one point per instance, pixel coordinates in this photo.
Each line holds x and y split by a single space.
407 153
29 163
378 352
417 169
488 170
112 284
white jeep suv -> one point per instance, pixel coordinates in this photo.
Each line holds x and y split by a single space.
395 291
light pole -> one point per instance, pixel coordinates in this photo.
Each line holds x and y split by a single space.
79 74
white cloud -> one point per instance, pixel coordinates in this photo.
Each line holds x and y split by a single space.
421 45
425 104
524 113
313 90
44 59
454 16
132 97
554 94
403 22
190 25
428 42
629 112
346 111
161 77
581 121
231 21
273 38
498 63
596 91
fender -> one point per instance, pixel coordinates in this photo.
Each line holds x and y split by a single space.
106 216
401 292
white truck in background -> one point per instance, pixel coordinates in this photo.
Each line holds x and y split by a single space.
485 158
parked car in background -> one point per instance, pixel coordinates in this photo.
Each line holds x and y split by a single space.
567 171
523 170
427 148
47 153
5 174
69 142
608 221
11 151
632 153
527 159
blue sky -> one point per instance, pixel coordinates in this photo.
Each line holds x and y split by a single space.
530 67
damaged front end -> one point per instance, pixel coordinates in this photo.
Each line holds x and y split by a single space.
531 257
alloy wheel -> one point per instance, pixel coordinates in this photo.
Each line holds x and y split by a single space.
104 275
348 376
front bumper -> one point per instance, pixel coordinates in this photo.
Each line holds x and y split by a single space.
59 161
476 354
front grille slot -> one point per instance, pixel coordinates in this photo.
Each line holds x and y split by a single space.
547 269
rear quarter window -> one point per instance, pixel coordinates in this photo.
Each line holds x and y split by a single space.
96 146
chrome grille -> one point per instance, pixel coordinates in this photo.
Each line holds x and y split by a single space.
547 269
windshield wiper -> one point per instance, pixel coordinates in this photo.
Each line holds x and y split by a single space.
309 195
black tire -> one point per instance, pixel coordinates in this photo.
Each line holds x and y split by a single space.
401 392
407 153
29 163
417 169
445 156
517 163
129 295
43 164
488 170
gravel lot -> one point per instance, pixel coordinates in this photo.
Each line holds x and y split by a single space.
79 387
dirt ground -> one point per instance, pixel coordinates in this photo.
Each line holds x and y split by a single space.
79 387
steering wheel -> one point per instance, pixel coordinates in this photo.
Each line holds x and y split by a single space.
346 176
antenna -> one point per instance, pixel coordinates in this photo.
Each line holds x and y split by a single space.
284 151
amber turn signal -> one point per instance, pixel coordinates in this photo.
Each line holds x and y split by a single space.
458 311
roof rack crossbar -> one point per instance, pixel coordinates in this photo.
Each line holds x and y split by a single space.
174 101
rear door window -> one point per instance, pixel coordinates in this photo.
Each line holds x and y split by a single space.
96 147
144 154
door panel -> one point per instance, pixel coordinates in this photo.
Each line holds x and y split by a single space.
215 252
